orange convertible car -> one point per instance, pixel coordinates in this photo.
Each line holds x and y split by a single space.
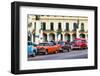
48 47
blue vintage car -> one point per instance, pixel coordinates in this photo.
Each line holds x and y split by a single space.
32 50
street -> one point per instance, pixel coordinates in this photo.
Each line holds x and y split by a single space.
74 54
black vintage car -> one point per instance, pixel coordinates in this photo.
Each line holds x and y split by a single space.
66 46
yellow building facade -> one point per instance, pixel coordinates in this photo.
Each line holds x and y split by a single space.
42 28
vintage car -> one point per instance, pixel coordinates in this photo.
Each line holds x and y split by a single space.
32 50
47 47
57 45
79 43
66 46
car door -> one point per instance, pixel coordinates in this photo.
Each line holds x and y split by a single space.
49 48
84 43
52 47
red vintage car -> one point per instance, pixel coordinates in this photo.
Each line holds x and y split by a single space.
79 43
47 47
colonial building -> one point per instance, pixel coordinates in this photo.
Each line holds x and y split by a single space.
47 27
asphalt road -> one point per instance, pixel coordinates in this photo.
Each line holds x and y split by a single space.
74 54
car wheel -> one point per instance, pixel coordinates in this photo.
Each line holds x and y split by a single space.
56 52
46 52
86 47
61 50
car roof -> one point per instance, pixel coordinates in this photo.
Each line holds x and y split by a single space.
45 42
79 39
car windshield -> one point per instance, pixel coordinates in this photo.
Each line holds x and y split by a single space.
76 41
51 44
61 43
43 44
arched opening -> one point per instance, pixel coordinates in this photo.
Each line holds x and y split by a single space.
44 37
67 37
61 37
82 26
74 26
73 36
82 35
52 37
59 26
43 26
67 26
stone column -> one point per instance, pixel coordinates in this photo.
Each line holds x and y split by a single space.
63 37
59 37
56 38
63 26
77 33
71 38
48 39
41 36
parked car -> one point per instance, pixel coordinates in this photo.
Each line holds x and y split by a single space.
65 46
32 50
47 47
57 45
79 43
53 42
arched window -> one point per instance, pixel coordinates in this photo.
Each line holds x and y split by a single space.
51 26
82 26
51 37
59 26
43 26
67 26
82 35
44 37
67 37
74 26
